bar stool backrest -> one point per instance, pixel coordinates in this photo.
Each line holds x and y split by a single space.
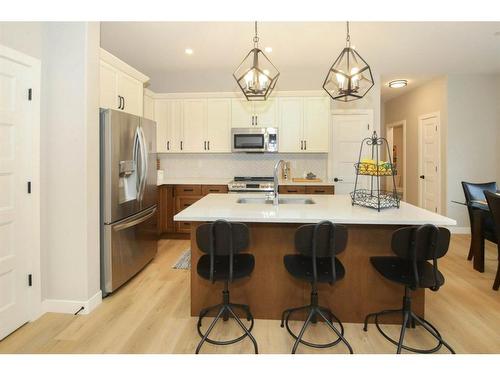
222 238
322 240
421 243
473 191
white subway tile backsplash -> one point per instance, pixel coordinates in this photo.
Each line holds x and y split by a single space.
230 165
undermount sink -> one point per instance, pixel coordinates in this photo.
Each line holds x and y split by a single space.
270 201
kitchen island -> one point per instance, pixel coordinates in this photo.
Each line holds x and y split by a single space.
270 289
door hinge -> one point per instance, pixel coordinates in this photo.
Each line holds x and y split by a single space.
29 187
30 280
30 94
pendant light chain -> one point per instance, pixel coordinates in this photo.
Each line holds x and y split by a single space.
348 38
256 38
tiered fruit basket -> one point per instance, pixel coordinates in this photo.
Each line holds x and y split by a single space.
374 196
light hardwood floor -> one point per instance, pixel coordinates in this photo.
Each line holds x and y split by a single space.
151 315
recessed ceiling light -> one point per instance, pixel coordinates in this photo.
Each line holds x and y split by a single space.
189 51
398 83
268 49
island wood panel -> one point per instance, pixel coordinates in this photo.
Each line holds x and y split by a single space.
270 289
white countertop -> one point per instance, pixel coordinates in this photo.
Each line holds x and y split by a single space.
192 181
336 208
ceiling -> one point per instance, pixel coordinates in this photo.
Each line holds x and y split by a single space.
414 80
302 51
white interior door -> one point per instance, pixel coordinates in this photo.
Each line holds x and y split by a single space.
429 162
17 213
348 132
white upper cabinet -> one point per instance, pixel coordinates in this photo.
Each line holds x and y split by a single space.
316 124
248 114
168 116
291 124
303 123
218 130
121 86
194 123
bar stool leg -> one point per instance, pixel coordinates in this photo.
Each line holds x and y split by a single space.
336 331
299 337
212 325
432 331
230 310
403 330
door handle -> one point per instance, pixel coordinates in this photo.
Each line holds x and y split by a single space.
422 177
301 145
338 179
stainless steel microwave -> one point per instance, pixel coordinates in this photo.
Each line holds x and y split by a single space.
254 140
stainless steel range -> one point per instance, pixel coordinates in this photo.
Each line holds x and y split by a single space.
251 184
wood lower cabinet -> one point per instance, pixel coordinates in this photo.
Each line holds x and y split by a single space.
173 199
166 209
309 189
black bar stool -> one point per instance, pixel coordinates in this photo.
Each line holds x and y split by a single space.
223 241
318 245
413 247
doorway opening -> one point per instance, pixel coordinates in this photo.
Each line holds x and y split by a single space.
396 138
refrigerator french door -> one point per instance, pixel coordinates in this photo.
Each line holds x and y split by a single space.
128 196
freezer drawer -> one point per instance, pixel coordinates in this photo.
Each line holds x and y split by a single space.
128 246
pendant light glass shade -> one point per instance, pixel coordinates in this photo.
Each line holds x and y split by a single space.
350 77
256 75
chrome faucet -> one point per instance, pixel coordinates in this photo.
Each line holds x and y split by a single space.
276 182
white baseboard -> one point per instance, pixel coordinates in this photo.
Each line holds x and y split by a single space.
70 307
459 230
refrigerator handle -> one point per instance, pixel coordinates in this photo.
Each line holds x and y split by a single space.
144 161
132 222
138 163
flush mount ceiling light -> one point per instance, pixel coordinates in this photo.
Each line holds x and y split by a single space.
398 83
256 75
350 77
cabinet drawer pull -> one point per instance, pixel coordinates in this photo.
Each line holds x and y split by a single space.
319 191
292 191
187 189
213 190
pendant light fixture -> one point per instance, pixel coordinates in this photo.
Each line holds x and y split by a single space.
256 75
350 77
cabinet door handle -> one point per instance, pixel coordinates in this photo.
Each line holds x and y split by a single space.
256 120
208 144
168 145
181 145
123 106
205 145
305 145
301 145
253 120
119 102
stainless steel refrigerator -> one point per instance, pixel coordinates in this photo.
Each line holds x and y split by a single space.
128 196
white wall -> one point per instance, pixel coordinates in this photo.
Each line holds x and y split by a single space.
69 155
473 135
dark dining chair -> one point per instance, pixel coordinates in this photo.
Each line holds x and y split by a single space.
474 195
494 204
